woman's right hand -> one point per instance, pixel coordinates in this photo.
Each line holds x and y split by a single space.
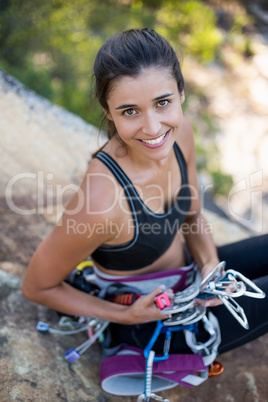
145 309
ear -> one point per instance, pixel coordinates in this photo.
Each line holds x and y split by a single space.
182 96
107 114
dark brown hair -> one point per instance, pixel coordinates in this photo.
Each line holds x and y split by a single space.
128 53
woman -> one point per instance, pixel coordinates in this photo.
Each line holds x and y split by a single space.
139 206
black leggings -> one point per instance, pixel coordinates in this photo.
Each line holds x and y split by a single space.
249 257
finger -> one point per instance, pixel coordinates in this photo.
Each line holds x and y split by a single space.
215 301
148 299
170 294
157 291
159 298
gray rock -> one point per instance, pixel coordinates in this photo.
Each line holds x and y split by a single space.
9 280
40 143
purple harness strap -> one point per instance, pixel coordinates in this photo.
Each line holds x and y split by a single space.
176 279
123 373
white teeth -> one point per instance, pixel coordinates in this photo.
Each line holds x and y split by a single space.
156 141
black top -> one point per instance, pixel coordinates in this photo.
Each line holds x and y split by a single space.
153 232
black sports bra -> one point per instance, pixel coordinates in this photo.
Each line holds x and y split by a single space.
153 233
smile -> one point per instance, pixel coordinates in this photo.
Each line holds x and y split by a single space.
155 141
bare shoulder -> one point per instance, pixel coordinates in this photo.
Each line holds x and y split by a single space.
83 226
100 190
81 229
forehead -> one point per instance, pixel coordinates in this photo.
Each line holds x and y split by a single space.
149 82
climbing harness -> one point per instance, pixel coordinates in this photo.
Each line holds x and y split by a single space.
143 372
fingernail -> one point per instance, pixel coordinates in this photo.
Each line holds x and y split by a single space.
163 287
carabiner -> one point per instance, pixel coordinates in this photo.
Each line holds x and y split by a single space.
236 310
219 288
200 346
258 294
213 275
216 368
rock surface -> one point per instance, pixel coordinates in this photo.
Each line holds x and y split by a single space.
32 365
40 143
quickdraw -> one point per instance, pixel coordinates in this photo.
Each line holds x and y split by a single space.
227 286
95 328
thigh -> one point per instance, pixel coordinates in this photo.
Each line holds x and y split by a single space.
250 256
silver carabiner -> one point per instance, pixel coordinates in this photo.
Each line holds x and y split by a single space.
213 275
236 310
199 346
257 294
220 288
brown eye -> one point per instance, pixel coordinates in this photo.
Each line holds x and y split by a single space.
163 103
129 112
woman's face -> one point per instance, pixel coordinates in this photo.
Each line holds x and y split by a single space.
146 111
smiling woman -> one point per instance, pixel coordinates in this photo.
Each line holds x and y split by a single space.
152 118
141 219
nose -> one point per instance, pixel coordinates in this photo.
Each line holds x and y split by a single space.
151 124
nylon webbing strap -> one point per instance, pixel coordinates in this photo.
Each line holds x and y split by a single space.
123 373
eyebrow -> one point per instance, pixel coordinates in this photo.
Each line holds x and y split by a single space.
127 106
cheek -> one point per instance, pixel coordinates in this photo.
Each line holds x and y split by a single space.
125 129
176 117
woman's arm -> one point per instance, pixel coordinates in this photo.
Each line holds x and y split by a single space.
43 284
72 240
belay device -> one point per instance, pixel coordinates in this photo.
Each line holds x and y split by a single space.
132 371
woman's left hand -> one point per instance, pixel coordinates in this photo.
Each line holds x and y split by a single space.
214 300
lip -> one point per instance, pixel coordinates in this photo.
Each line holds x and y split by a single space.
160 144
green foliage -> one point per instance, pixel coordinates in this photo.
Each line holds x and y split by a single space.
50 45
192 24
222 182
